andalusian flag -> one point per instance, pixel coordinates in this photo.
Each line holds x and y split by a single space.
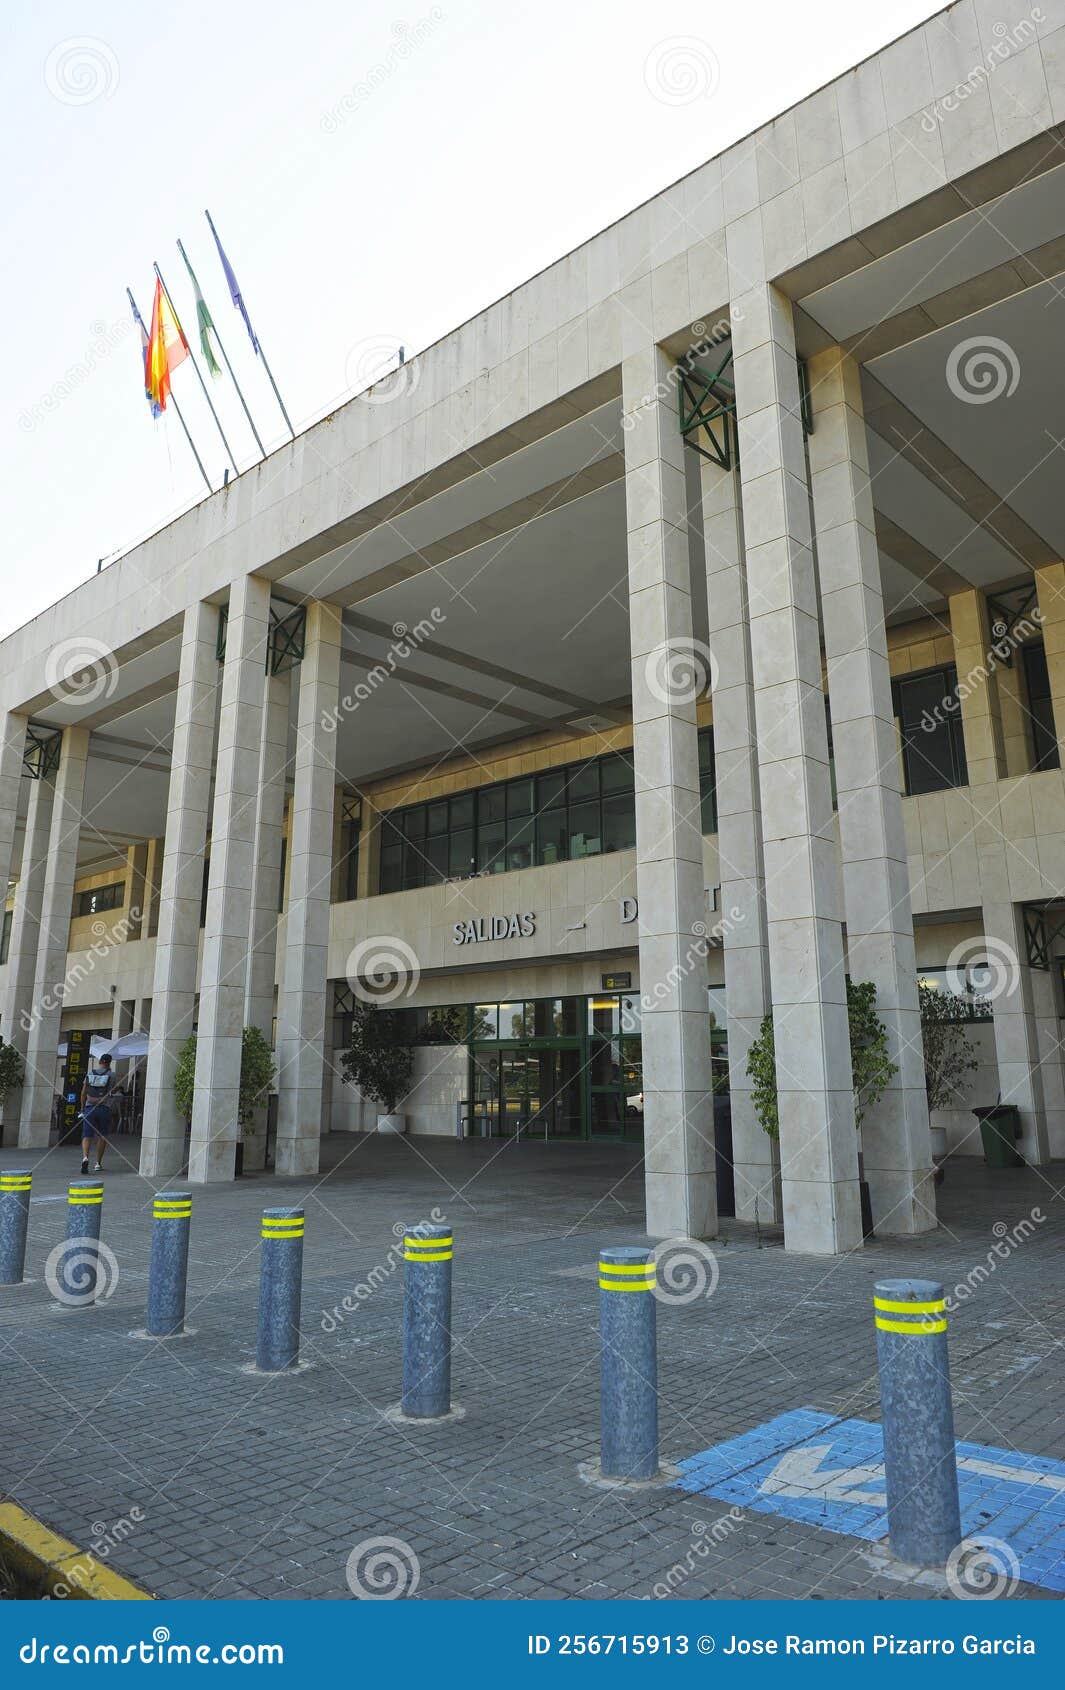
166 348
204 319
139 320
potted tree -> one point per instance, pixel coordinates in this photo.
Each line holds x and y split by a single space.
871 1070
947 1057
379 1063
257 1074
12 1073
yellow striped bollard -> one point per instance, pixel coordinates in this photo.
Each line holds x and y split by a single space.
924 1522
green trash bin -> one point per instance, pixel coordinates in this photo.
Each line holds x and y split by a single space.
1000 1128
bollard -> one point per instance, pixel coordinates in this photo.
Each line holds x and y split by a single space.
924 1523
628 1362
280 1283
79 1270
427 1323
14 1219
169 1265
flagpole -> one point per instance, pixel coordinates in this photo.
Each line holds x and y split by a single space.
196 367
258 343
225 357
173 401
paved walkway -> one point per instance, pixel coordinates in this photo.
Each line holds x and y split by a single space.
204 1481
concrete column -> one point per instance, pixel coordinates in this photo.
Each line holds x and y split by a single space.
896 1148
53 943
1052 1072
12 749
224 972
981 713
1050 593
818 1141
25 923
755 1156
302 1009
181 885
666 679
273 767
138 890
1017 1043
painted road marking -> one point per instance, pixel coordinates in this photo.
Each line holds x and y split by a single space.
826 1472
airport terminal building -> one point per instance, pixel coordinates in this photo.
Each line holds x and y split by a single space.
678 637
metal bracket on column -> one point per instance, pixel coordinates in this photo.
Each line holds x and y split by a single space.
1006 610
1043 925
286 643
288 639
708 410
41 756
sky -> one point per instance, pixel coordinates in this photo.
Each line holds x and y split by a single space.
378 170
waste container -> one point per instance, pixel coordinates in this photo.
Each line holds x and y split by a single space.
1000 1129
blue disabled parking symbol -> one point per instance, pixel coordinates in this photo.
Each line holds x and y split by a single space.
827 1472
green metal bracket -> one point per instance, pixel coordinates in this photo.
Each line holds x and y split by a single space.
288 640
1005 611
286 644
1042 926
43 747
708 409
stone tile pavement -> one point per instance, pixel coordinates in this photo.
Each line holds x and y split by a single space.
205 1481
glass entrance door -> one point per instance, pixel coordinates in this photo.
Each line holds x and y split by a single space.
530 1091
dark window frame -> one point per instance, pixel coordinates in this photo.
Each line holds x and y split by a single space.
948 733
98 900
1042 729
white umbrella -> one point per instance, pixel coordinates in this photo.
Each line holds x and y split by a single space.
130 1044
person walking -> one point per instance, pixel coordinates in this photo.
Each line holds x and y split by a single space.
99 1098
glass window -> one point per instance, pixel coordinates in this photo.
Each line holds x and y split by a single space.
582 781
585 838
519 797
512 1020
1045 752
491 845
969 986
5 936
551 837
551 789
521 841
435 864
929 717
492 804
619 822
460 853
707 792
413 821
617 772
101 898
484 1023
462 811
436 817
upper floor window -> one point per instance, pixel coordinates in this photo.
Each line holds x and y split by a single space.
1045 752
5 936
928 710
101 898
562 815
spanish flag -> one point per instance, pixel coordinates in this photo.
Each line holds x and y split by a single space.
166 348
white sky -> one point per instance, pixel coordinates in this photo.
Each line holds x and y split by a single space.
510 133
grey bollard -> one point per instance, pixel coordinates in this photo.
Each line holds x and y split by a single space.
628 1364
79 1269
427 1323
14 1219
280 1286
924 1522
169 1265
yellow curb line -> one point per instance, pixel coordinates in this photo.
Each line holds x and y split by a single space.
49 1561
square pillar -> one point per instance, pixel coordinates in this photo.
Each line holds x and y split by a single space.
896 1146
302 1008
1050 594
981 714
273 769
818 1141
1015 989
180 890
667 676
26 915
38 1093
755 1156
224 971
